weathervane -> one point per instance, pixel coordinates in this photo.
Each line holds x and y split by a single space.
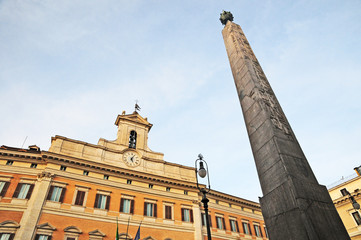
136 107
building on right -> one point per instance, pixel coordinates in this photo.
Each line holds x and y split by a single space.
346 196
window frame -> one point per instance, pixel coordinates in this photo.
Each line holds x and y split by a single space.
80 189
168 205
19 188
131 204
358 222
5 188
246 223
153 208
189 212
222 224
256 227
234 227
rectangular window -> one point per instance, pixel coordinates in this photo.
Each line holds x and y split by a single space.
9 162
79 200
187 215
151 186
6 236
85 173
129 181
246 228
185 192
106 177
62 168
258 231
23 191
42 237
220 223
150 209
34 165
102 201
204 223
168 189
357 217
344 192
127 205
265 231
168 212
3 188
56 194
234 225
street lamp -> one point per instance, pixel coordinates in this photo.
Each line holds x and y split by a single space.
202 172
355 204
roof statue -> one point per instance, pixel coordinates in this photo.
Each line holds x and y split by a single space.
225 17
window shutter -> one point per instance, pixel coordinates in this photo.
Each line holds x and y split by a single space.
108 203
30 191
17 190
260 231
145 209
182 214
230 224
249 229
79 200
49 237
224 224
168 212
50 192
237 226
63 190
5 188
131 206
12 236
217 222
210 220
121 205
191 213
155 210
203 216
96 201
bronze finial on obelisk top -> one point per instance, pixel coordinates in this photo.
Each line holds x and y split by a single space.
294 205
225 17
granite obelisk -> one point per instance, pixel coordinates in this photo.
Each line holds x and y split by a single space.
294 205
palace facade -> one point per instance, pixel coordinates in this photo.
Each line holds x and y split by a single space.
78 190
342 194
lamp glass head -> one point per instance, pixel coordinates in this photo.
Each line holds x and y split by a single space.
202 172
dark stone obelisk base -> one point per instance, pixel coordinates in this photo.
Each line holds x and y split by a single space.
294 205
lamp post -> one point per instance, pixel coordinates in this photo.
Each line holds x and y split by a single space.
202 172
355 204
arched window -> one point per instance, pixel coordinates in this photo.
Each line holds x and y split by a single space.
133 139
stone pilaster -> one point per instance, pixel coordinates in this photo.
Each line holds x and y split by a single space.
35 204
294 205
197 221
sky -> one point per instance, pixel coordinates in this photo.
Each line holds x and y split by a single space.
70 67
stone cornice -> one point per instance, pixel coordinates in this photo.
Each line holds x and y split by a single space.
115 171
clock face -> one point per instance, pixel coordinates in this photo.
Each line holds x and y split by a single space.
131 159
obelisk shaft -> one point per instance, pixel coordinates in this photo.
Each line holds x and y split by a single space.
294 205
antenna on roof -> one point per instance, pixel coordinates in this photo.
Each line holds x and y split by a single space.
24 142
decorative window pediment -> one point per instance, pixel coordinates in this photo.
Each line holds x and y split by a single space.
72 229
149 238
96 235
46 226
125 236
72 232
9 226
